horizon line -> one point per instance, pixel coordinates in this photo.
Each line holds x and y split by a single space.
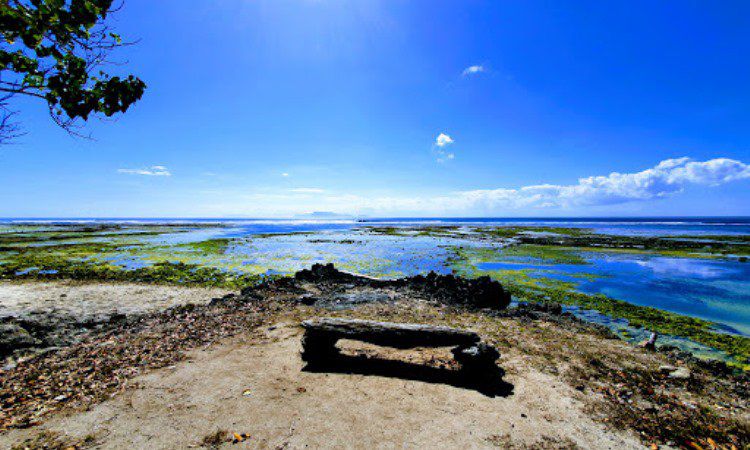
353 217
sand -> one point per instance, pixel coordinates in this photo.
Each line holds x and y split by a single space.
255 384
80 299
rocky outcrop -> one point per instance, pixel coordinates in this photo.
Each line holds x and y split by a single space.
482 292
36 331
13 336
322 285
325 273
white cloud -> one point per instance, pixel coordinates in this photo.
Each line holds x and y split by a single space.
307 190
668 177
441 142
443 139
154 171
284 174
473 70
443 156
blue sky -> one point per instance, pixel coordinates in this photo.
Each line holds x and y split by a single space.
408 108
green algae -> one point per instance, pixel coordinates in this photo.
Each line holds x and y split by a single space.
422 231
506 232
281 234
549 290
666 246
376 267
163 272
663 322
210 246
526 253
584 239
213 263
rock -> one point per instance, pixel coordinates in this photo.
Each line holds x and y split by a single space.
14 337
682 373
678 373
227 298
482 292
322 273
529 309
308 299
480 354
650 344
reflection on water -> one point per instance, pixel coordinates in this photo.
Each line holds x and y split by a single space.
714 290
686 267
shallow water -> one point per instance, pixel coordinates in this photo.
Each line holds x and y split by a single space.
647 226
716 290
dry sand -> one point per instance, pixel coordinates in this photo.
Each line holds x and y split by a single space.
286 407
81 299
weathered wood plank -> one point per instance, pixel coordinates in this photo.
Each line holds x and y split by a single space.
390 334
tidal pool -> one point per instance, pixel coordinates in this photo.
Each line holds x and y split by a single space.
711 286
714 290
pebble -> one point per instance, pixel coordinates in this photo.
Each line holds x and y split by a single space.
682 373
679 373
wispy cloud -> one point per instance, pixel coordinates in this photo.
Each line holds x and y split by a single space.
593 193
441 142
307 190
473 70
669 177
154 171
284 174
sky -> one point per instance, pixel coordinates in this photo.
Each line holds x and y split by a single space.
396 108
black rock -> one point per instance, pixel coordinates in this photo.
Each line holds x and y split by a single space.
308 300
322 273
14 337
482 292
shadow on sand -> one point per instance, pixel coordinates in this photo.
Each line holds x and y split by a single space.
489 384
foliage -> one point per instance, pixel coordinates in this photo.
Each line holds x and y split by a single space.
51 49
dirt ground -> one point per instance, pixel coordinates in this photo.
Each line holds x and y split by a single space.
192 376
92 299
255 384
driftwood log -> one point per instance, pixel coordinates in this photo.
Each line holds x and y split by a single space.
321 335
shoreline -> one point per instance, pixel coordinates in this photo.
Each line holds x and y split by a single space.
233 262
36 316
608 386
